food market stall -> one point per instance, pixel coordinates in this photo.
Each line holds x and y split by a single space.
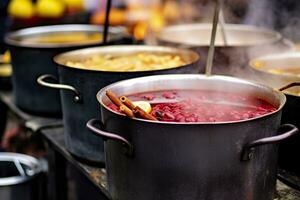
147 109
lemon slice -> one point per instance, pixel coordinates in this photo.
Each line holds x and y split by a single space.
143 105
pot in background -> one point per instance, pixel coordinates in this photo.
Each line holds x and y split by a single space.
79 87
243 43
21 177
153 160
30 60
288 151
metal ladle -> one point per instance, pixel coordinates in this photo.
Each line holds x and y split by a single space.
211 51
222 26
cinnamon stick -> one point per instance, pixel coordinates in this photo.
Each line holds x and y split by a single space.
137 110
126 111
114 98
127 102
140 112
127 107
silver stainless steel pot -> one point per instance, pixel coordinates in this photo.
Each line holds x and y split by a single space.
30 60
153 160
243 43
288 151
20 177
79 87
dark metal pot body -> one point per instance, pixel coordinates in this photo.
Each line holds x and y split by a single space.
243 43
288 151
29 61
21 178
178 161
87 83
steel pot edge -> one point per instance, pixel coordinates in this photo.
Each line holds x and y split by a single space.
273 36
32 163
61 59
270 78
13 38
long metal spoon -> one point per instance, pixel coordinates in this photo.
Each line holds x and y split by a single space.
211 51
222 26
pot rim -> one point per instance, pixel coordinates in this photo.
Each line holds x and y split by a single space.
29 161
120 48
278 56
12 37
281 95
207 26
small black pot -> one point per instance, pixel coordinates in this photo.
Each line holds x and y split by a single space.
152 160
29 61
80 104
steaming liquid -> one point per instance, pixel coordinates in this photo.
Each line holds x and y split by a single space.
202 106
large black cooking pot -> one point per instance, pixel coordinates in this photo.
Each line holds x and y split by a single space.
30 60
243 43
289 150
153 160
79 87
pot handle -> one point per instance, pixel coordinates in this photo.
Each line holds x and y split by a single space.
289 86
247 153
109 136
42 81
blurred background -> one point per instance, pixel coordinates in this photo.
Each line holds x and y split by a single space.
142 17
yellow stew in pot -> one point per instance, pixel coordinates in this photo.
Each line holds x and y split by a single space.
130 62
280 70
291 70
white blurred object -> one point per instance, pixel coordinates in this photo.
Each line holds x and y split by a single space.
92 5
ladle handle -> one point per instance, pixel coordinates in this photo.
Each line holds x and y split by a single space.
211 50
42 81
247 153
109 136
290 86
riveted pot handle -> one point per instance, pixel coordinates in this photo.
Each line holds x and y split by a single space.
289 86
109 136
42 81
247 153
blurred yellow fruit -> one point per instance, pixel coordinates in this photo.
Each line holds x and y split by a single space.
50 8
143 105
21 8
